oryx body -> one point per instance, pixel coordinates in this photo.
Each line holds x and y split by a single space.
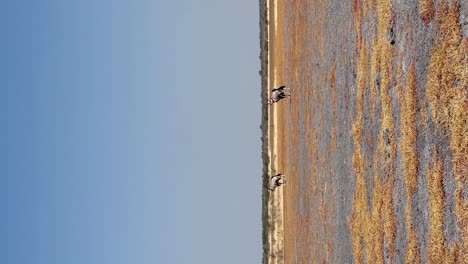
276 181
278 94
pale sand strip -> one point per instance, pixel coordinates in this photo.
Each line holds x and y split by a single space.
275 205
275 11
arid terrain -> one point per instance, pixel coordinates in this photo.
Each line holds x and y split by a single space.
374 142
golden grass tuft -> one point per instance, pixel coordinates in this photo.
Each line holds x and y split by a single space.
409 135
332 78
389 215
447 90
426 10
375 233
359 216
408 148
387 133
356 235
412 253
437 248
452 255
359 213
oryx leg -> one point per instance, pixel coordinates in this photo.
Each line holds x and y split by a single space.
284 181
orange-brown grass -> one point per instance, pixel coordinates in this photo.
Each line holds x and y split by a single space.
409 156
382 60
412 252
386 60
426 10
399 85
359 215
437 248
409 135
375 69
448 72
375 234
452 257
333 142
325 216
365 8
332 78
424 115
373 3
331 228
387 142
459 146
447 90
357 10
366 224
389 215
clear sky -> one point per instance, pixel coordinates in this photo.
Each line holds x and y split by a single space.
130 132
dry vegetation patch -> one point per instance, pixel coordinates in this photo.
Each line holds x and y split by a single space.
359 218
366 223
426 10
447 89
410 157
437 241
409 135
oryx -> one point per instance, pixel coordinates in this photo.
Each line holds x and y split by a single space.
278 94
276 181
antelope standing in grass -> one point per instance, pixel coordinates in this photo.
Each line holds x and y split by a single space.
278 94
276 181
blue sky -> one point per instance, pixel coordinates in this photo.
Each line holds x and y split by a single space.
130 132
